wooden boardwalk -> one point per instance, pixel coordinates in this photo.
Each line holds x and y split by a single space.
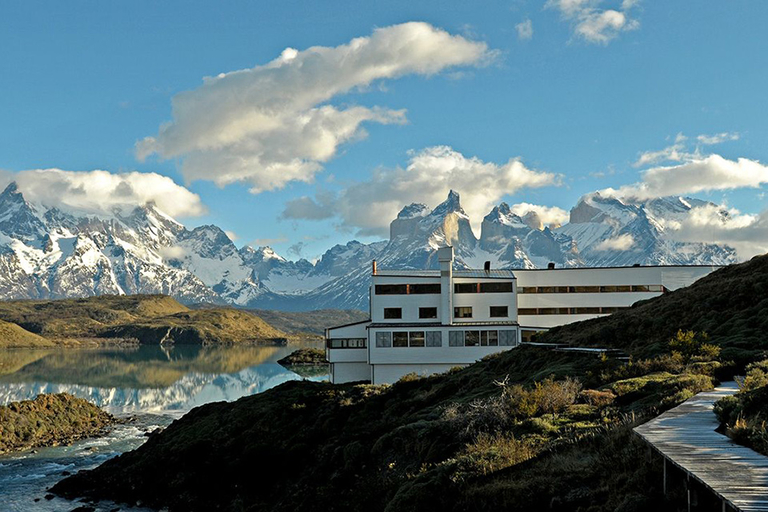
686 437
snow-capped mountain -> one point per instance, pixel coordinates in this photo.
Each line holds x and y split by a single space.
51 253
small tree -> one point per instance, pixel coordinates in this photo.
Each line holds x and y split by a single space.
691 344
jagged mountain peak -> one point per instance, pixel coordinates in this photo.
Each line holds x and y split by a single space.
414 210
452 204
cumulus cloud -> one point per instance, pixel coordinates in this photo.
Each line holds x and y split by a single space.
101 192
272 124
369 206
549 215
746 233
700 174
619 243
524 30
591 22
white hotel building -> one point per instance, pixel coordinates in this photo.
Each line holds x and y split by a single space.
428 321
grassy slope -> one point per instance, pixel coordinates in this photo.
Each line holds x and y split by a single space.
148 318
49 420
445 441
731 305
13 336
312 322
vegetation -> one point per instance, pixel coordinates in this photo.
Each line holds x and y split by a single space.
13 336
148 319
305 357
309 323
49 420
527 429
744 416
730 304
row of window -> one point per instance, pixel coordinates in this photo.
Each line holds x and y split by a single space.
434 288
491 338
593 289
346 343
569 311
458 312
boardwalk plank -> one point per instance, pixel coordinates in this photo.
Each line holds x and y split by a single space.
686 437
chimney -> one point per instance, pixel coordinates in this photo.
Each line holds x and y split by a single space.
551 265
487 266
445 257
373 267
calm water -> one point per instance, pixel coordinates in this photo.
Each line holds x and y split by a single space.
152 385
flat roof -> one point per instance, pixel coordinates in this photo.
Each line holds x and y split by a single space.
490 274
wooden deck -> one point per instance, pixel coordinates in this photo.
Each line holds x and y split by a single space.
686 437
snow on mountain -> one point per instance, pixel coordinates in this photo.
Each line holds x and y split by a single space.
51 252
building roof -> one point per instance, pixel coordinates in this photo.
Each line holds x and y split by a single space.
478 273
380 325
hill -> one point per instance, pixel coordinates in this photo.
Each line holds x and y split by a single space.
730 305
13 336
311 322
145 318
526 429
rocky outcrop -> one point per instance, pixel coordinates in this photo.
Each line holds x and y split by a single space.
49 420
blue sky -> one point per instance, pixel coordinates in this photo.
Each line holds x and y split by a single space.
576 101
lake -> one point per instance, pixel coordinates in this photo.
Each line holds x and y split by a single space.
150 385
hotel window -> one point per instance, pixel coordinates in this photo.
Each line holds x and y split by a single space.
391 289
586 311
455 338
640 288
399 339
346 343
499 311
465 288
508 338
656 288
427 312
586 289
421 289
416 339
434 339
462 312
471 338
526 311
502 287
383 339
489 338
392 313
526 289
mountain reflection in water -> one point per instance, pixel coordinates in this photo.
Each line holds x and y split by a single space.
146 379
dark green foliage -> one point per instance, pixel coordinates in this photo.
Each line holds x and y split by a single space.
744 416
49 420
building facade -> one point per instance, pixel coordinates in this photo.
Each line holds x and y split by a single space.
428 321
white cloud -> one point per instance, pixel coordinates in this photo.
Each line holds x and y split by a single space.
271 124
591 22
549 215
524 30
701 174
100 192
620 243
748 234
717 138
231 235
370 206
173 252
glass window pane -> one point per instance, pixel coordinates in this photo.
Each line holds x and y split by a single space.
416 339
383 339
427 312
465 288
500 287
391 289
427 288
434 339
393 313
499 311
471 338
399 339
455 338
462 312
493 338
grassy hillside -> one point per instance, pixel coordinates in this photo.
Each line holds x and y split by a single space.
527 429
146 318
731 305
49 420
13 336
311 322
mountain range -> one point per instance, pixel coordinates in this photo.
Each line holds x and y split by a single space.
47 252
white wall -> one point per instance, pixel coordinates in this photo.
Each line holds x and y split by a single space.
350 372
